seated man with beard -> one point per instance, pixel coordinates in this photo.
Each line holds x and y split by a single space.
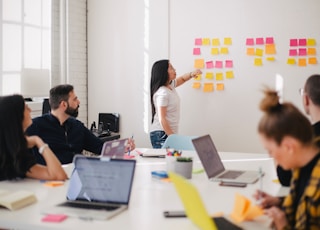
60 129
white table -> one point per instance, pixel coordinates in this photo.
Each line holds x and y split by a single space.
149 197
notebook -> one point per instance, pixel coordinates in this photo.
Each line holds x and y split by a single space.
115 148
195 208
213 165
99 188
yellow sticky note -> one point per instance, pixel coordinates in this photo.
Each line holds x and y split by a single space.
219 76
209 75
250 51
199 63
259 52
291 61
215 42
302 62
198 78
224 50
270 49
311 42
312 61
196 85
258 61
214 51
227 41
229 75
53 183
311 51
208 87
220 86
270 58
206 41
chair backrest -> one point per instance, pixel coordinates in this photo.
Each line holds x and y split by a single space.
45 106
179 142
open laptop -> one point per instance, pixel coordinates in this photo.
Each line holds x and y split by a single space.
99 188
195 208
213 165
115 148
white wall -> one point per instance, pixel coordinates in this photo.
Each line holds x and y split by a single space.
126 37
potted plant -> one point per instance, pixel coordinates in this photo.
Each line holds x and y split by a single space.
183 166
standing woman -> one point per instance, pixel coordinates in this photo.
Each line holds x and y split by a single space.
16 159
165 102
288 137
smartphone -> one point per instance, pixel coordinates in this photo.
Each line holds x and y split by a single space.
174 214
232 184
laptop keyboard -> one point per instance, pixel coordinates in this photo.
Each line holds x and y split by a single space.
231 174
89 206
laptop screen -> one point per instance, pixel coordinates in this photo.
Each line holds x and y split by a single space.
115 148
101 180
208 155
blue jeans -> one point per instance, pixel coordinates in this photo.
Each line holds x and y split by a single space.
157 139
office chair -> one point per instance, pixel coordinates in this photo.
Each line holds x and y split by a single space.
45 106
179 142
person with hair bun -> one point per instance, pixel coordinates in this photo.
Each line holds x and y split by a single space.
288 137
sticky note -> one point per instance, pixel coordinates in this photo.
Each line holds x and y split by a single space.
259 52
227 41
258 62
259 41
293 42
270 49
302 62
302 52
250 42
209 64
220 86
214 51
228 63
196 51
196 85
208 87
311 51
293 52
269 40
302 42
198 41
291 61
311 42
219 64
206 41
198 78
219 76
54 218
312 60
229 75
250 51
209 75
270 59
215 42
53 183
199 63
224 50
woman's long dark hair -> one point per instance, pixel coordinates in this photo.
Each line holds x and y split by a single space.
12 140
159 77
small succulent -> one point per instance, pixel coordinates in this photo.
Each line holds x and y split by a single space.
184 159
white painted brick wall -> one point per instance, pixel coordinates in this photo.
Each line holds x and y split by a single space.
76 51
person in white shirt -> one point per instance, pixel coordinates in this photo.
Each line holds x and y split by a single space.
165 102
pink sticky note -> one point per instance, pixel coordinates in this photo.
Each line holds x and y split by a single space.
302 42
259 41
229 64
293 42
219 64
198 41
196 51
302 52
269 40
54 218
293 52
250 42
209 64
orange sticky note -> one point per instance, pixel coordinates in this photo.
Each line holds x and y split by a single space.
208 87
270 49
196 85
199 63
312 60
250 51
54 183
302 62
220 86
311 51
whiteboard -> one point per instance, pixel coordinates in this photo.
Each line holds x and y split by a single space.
231 116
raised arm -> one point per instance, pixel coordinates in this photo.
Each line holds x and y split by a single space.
186 77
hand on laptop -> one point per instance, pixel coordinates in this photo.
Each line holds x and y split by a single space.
265 200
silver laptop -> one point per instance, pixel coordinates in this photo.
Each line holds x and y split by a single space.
115 148
99 188
213 165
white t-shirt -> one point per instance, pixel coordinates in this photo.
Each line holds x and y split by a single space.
164 97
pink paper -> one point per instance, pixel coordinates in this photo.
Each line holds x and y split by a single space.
196 51
302 42
219 64
198 41
293 52
209 64
250 42
302 52
259 41
293 42
229 64
269 40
